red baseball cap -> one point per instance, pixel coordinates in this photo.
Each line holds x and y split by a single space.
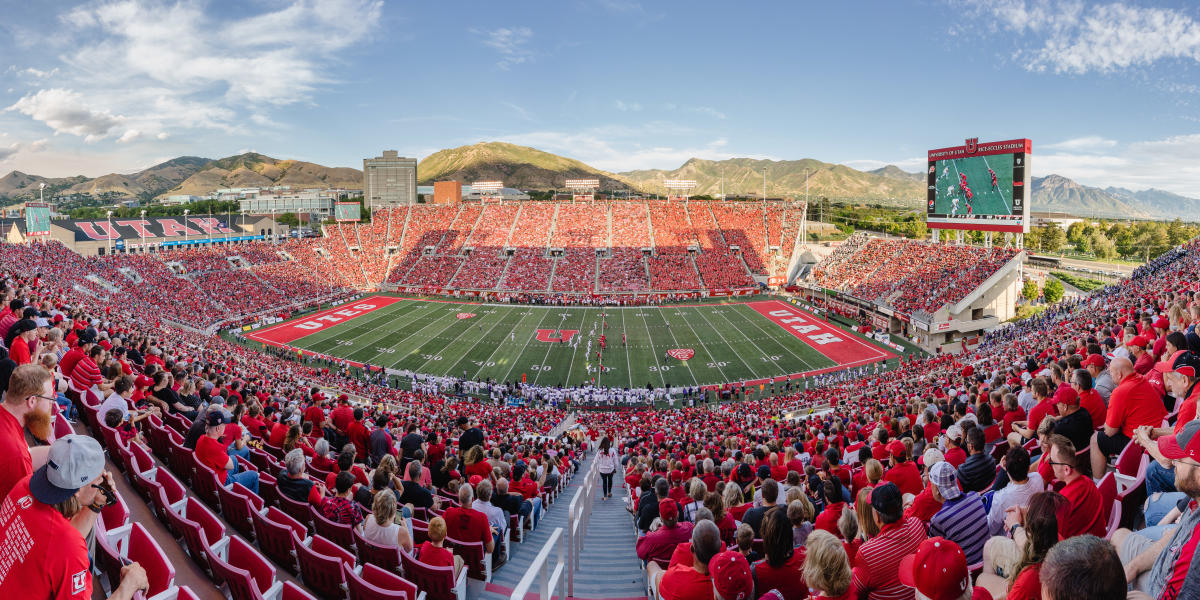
895 448
474 480
938 569
1182 362
1066 394
1162 323
731 575
1093 360
668 509
1185 444
1139 341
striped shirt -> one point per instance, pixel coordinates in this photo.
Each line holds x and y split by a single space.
85 374
963 521
877 566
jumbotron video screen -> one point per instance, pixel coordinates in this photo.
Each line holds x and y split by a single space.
980 186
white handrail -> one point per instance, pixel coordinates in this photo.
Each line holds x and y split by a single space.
579 513
550 581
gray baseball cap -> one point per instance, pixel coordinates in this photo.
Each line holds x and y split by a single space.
74 461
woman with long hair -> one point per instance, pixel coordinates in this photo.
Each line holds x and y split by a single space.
607 459
1038 532
782 569
827 568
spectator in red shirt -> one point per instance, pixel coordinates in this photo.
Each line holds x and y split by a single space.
339 507
1085 511
876 569
358 434
904 473
1089 399
29 399
782 569
433 553
938 569
26 345
215 455
1133 403
45 551
955 455
466 524
660 543
681 581
1038 527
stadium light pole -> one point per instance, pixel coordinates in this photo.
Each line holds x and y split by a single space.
185 225
764 184
142 229
109 217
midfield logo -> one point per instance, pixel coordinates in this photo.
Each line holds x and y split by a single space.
547 335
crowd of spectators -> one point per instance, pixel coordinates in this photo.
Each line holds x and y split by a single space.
908 275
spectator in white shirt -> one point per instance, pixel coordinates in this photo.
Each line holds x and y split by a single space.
1022 485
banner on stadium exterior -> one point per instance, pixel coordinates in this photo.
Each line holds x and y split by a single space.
879 321
151 227
776 280
37 219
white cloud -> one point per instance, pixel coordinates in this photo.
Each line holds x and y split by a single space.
9 152
708 110
510 42
627 106
129 136
1091 143
38 145
1078 39
524 114
1171 164
178 65
65 111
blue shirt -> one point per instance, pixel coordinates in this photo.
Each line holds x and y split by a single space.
963 521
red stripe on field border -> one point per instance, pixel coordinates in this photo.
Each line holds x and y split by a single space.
284 333
847 350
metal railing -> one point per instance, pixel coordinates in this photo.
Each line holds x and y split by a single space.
550 580
579 513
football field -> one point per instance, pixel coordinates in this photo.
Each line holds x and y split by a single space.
697 344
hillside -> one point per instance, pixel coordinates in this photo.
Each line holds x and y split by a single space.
744 177
519 167
21 187
256 170
897 173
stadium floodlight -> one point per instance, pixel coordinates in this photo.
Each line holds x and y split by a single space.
679 184
482 187
583 184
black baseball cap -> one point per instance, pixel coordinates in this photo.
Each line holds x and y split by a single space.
887 500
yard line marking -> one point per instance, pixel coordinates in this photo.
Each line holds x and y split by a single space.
654 350
354 351
752 321
574 351
417 334
481 338
778 367
350 354
518 356
451 342
485 361
738 355
675 340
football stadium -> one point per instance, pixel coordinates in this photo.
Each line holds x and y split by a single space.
499 373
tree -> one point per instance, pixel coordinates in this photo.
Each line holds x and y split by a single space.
1101 246
1152 241
1077 233
1052 237
289 219
1033 240
1030 291
1053 290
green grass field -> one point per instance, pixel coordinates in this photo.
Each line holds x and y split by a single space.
732 342
986 201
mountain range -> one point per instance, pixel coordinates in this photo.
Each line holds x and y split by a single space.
528 168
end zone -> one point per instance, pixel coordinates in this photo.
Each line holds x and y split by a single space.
287 332
835 344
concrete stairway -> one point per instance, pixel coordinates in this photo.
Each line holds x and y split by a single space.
609 566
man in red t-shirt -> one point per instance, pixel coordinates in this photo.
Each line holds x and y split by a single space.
45 555
26 345
1133 403
466 524
689 582
904 473
1084 511
215 455
29 400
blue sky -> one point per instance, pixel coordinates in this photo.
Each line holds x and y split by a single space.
1107 91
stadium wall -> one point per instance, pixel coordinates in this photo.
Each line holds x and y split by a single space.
958 327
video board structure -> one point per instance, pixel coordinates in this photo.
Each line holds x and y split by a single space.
980 187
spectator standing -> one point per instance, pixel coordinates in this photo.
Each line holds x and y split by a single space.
608 463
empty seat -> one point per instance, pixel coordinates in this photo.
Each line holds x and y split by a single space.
278 534
170 491
246 574
321 567
133 543
116 514
438 583
236 509
202 531
377 584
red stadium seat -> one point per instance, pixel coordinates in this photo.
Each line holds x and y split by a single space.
438 583
321 567
377 584
245 573
205 483
236 508
132 542
202 531
338 533
278 535
384 557
477 560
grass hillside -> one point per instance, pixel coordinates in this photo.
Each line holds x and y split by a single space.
517 166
